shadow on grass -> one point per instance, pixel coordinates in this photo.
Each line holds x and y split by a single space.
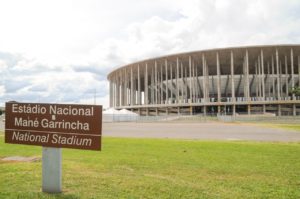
42 195
60 196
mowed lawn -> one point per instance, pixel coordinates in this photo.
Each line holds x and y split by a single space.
294 127
161 168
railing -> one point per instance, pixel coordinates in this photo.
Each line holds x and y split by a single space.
224 99
240 117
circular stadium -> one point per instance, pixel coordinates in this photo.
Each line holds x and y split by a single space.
236 80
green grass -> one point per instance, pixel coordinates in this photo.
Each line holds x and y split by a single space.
161 168
287 126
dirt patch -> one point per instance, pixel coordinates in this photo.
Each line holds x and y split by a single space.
21 159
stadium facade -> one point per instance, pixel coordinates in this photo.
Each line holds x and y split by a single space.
254 79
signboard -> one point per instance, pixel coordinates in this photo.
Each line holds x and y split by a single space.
54 125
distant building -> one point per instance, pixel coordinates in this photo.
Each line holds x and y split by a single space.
254 79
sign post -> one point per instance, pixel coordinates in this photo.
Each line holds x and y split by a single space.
51 170
53 126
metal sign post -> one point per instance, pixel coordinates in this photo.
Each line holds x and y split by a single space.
51 170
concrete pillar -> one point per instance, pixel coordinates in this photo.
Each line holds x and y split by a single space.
218 78
259 78
178 110
193 84
233 109
292 72
182 82
167 111
219 110
299 71
264 108
110 93
256 81
125 88
147 111
279 110
197 86
268 78
131 87
263 75
190 96
204 79
161 86
247 77
294 110
286 77
139 87
191 110
249 109
155 82
273 77
171 84
117 92
167 82
204 110
186 85
146 85
232 76
152 87
121 89
156 111
177 80
278 79
113 93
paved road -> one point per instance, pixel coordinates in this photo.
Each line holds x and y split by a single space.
203 131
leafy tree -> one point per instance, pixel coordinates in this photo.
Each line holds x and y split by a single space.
295 91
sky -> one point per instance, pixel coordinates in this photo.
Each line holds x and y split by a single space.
61 51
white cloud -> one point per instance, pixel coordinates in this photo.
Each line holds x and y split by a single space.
61 51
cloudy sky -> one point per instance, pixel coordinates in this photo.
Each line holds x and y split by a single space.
60 51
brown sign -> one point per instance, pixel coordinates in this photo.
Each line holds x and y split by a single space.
54 125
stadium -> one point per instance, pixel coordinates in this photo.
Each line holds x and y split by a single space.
235 80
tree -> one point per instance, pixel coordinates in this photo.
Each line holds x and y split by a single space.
295 91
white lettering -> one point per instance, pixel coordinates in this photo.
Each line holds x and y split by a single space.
55 110
45 123
73 140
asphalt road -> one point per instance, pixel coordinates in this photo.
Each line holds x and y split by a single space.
203 131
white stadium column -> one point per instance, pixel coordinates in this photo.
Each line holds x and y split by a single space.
155 82
139 87
166 81
263 75
146 85
131 86
277 70
232 81
218 78
292 71
177 80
